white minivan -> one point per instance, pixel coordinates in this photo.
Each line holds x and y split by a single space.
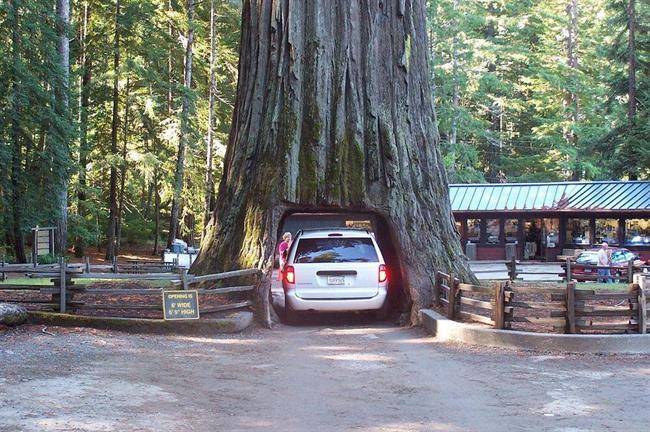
335 269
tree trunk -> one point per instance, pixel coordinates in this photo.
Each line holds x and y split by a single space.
84 103
455 97
571 100
495 141
156 236
184 129
63 16
170 63
115 123
209 181
334 111
16 157
123 169
631 75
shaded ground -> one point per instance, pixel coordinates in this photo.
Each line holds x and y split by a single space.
319 376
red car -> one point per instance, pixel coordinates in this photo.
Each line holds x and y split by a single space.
619 260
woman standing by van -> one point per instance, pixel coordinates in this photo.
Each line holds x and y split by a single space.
283 251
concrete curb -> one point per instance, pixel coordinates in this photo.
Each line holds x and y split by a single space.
445 329
233 323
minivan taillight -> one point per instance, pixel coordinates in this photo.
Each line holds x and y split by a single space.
383 273
289 274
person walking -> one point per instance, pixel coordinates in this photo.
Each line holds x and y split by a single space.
283 251
604 259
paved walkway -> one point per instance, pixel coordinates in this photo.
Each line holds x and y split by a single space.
319 376
487 270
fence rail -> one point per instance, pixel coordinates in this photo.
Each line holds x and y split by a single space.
67 296
569 310
130 267
517 269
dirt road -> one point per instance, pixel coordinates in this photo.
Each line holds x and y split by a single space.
360 377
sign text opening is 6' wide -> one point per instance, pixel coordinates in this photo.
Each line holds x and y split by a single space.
181 305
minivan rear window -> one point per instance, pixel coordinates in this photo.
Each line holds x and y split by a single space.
335 250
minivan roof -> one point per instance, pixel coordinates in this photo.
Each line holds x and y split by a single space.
338 232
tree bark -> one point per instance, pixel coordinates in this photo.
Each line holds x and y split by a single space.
209 181
184 129
63 16
115 123
334 111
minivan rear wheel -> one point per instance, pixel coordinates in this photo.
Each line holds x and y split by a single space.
288 314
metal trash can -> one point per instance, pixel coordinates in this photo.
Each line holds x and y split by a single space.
470 251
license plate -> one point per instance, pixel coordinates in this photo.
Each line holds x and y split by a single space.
335 280
587 270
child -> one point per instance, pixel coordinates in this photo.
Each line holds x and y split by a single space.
283 250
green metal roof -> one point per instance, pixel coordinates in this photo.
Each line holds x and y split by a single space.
565 196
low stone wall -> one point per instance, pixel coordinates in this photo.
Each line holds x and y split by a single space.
445 329
234 323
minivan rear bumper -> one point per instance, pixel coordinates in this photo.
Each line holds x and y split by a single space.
335 305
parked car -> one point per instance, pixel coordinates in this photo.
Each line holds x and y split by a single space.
335 269
180 254
619 260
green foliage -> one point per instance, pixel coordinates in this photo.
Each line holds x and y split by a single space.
507 64
47 151
48 259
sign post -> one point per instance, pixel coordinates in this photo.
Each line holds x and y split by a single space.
181 305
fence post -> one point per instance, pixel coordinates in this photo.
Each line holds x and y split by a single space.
630 271
2 264
571 307
569 276
183 275
436 289
643 306
499 305
512 269
87 264
62 275
451 305
115 264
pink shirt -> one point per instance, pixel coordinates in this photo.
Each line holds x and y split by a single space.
283 247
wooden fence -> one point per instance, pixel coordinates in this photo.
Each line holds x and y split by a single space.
516 269
69 291
506 306
129 267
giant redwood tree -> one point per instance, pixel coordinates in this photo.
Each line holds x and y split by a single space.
334 111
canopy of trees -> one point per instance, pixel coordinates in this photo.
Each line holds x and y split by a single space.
542 90
114 132
114 150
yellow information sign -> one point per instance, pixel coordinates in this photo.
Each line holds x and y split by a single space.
181 305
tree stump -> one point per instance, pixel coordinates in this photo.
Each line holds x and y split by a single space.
12 314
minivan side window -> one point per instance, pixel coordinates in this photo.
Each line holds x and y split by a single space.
335 250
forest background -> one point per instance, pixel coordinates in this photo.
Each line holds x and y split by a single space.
114 114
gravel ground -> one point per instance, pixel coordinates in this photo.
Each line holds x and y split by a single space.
319 376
